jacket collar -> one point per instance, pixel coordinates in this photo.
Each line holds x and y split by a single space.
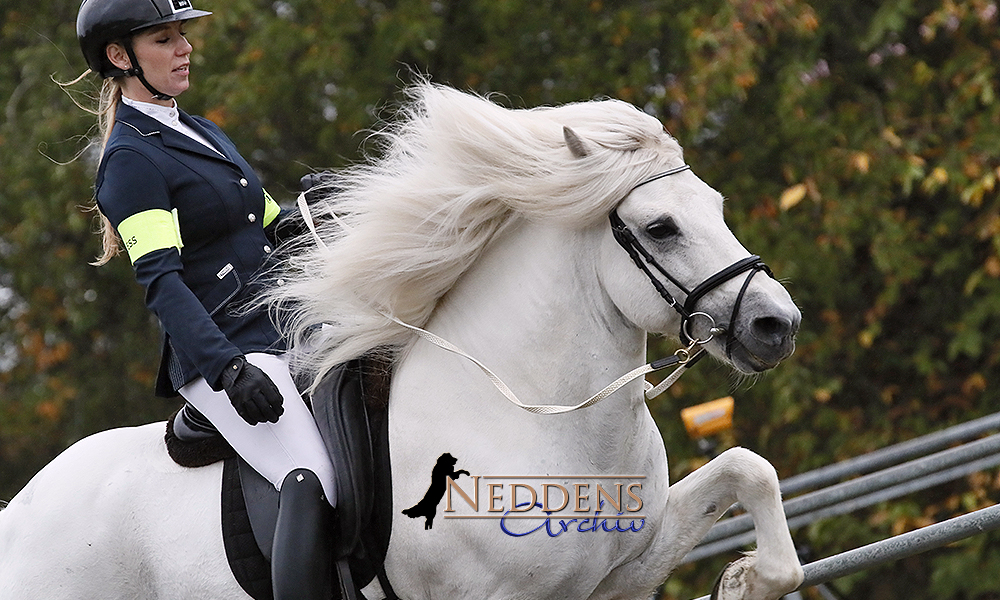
147 126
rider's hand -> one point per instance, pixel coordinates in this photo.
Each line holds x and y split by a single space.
316 186
253 394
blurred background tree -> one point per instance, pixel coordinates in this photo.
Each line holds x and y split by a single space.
857 143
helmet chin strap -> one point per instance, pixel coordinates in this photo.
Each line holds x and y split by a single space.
136 71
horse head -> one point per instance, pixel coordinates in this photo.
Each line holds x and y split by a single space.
671 265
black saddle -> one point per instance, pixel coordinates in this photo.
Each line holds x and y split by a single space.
351 411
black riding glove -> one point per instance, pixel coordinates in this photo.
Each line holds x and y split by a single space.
317 186
253 394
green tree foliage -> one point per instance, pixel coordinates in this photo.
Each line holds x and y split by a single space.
856 141
77 355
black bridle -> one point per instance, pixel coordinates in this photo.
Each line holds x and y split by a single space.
644 260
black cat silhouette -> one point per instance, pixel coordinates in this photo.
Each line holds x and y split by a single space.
427 507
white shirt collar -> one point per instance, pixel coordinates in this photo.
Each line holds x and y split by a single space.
169 116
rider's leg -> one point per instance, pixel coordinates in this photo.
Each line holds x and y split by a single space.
272 449
301 567
291 455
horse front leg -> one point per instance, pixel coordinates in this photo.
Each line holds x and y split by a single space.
696 502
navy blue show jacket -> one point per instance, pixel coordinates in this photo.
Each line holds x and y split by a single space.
193 222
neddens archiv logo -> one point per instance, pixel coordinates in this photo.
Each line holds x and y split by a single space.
526 504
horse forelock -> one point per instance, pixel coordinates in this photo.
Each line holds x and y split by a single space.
454 169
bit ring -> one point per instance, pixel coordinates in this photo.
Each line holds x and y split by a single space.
712 330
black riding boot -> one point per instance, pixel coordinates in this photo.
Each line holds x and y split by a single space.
301 567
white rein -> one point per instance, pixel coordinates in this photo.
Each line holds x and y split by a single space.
682 358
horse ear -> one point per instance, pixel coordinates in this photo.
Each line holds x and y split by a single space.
576 144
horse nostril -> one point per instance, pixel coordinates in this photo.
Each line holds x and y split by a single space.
771 330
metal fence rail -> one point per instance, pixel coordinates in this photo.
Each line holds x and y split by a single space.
845 497
890 455
885 474
900 546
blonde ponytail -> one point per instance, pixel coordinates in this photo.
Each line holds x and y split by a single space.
111 95
107 105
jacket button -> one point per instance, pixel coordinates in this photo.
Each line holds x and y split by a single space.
267 248
251 217
244 182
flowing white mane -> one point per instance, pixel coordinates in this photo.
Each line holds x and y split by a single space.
453 171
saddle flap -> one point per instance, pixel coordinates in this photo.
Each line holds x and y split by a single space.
342 418
261 500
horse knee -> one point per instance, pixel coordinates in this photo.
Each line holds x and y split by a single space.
753 472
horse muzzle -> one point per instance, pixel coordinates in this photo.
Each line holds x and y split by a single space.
764 335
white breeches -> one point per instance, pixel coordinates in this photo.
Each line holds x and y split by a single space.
272 449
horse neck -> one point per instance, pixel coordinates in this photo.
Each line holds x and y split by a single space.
533 310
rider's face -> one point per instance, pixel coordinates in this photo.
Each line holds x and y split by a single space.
164 54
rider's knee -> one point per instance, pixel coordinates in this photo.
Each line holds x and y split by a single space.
302 482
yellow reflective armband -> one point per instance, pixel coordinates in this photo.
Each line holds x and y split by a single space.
150 230
271 209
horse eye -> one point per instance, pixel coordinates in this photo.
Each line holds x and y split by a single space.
662 229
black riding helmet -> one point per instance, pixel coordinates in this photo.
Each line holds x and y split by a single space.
101 22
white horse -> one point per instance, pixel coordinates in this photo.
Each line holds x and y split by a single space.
488 227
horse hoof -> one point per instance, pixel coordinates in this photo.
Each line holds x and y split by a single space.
733 582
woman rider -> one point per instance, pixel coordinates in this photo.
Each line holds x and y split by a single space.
197 227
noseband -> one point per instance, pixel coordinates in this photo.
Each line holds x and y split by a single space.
644 260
